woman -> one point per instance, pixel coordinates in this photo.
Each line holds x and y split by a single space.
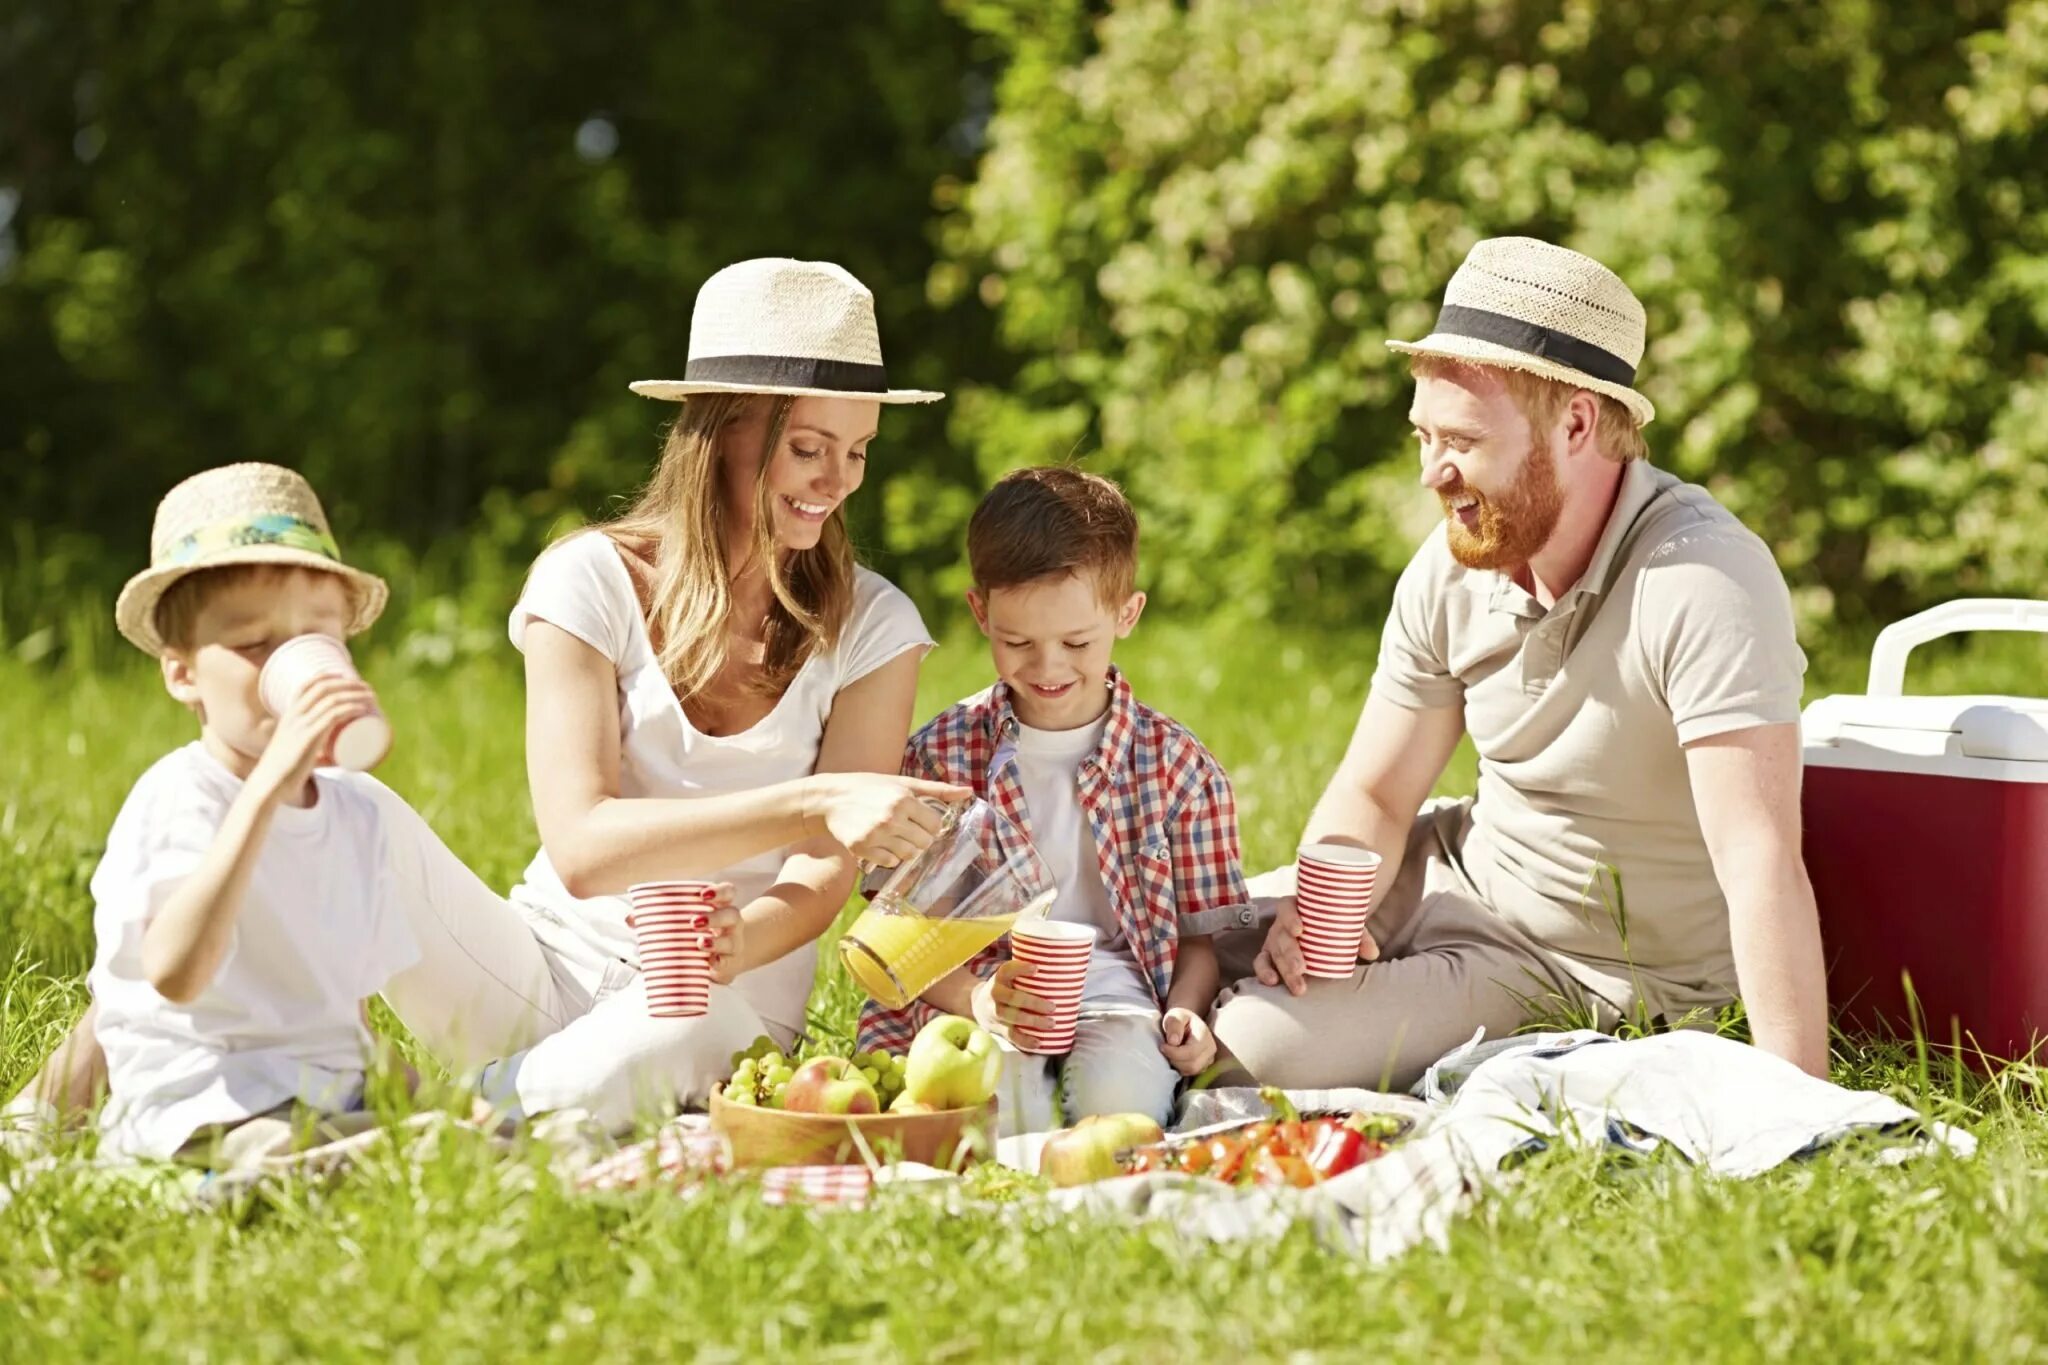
714 690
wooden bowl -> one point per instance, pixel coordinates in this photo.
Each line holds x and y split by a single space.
775 1137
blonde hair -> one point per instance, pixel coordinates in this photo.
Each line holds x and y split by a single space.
1542 401
688 605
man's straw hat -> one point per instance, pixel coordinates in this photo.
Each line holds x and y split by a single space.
1523 304
805 328
238 514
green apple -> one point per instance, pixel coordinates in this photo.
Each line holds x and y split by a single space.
830 1085
953 1065
1087 1152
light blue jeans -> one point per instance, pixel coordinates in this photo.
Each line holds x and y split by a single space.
1116 1067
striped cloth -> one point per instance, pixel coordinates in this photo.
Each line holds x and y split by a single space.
1159 804
822 1186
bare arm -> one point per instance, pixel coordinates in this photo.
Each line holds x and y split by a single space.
1395 757
601 843
185 942
1745 786
866 732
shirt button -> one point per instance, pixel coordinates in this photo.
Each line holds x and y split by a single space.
1247 916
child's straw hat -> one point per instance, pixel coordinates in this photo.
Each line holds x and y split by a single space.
805 328
1523 304
238 514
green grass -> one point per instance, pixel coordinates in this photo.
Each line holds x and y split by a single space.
461 1256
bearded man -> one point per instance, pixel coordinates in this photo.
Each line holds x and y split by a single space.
1621 650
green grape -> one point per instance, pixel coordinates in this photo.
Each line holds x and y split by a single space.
870 1075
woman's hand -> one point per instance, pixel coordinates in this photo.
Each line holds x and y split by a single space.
881 819
728 937
1000 1004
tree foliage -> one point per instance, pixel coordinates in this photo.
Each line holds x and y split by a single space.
1196 224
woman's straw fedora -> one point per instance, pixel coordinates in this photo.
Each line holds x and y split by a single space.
1523 304
238 514
805 328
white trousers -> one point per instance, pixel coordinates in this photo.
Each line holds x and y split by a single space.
1116 1067
542 1019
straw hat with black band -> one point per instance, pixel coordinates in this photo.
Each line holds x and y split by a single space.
239 514
1522 304
803 328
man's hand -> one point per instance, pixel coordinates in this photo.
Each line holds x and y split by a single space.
1188 1043
1280 961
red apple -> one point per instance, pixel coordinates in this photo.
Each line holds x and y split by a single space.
830 1085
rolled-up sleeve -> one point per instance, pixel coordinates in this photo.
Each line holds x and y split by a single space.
1208 869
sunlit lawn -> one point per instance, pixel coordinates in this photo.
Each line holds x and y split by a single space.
466 1257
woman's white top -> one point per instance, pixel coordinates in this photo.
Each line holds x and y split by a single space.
582 586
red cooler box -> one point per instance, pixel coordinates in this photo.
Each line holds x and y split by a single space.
1927 841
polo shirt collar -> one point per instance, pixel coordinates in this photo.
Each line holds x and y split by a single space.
1640 484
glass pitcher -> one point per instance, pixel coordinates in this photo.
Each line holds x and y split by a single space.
978 877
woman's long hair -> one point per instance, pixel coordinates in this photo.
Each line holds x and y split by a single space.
687 596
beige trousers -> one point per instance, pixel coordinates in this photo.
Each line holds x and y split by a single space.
1447 967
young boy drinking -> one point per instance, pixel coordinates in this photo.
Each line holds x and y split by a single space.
1132 815
242 911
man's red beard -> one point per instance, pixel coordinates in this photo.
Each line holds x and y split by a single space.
1513 525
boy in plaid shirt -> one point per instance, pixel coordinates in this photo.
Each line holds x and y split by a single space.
1133 816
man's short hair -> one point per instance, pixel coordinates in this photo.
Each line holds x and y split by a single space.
1542 401
1051 521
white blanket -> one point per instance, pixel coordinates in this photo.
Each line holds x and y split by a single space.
1724 1105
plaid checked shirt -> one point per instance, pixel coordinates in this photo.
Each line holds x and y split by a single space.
1161 809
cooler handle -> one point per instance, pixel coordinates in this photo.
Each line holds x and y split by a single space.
1897 640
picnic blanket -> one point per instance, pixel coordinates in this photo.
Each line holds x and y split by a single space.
1728 1107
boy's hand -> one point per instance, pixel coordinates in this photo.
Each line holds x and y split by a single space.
1281 961
299 740
1189 1045
1000 1004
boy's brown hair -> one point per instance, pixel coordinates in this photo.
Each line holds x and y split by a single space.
1050 521
177 611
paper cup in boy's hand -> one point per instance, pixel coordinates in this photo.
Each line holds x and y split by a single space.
672 923
1055 955
1333 895
360 743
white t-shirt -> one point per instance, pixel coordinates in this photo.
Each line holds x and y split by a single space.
1048 769
582 586
319 931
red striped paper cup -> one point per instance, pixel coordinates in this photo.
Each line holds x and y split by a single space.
671 924
1056 953
359 744
1333 896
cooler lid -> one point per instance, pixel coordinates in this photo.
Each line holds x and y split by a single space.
2014 729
